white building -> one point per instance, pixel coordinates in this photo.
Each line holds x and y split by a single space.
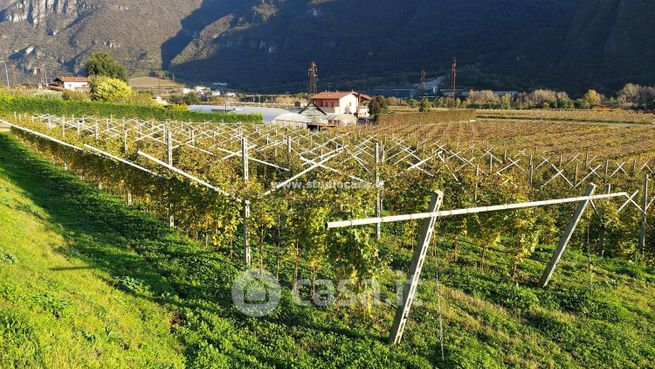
342 103
72 83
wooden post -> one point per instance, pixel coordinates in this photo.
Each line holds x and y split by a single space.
246 203
568 233
420 252
644 208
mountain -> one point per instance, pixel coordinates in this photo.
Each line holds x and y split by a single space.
268 44
58 35
602 44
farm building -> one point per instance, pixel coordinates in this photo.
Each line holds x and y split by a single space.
291 120
342 103
280 117
341 120
72 83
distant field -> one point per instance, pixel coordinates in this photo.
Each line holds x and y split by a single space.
611 141
609 116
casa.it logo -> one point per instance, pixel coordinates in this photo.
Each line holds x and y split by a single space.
256 293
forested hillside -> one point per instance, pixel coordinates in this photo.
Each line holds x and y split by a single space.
267 45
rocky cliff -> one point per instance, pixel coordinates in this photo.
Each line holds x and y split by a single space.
35 12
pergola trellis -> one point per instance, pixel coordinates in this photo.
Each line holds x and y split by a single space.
361 157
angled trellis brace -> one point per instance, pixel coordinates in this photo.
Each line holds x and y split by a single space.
405 158
522 152
513 163
619 168
188 176
489 152
312 162
150 133
590 161
631 200
466 163
646 166
313 149
417 165
592 172
121 160
574 159
546 160
558 174
317 165
223 158
232 154
360 162
450 171
270 145
409 153
398 152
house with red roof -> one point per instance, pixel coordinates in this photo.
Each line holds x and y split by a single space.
339 102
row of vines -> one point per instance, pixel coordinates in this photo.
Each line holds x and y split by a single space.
287 228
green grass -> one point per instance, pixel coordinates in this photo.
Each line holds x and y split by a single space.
57 311
87 282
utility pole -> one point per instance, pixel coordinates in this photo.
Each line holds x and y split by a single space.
313 78
421 85
453 80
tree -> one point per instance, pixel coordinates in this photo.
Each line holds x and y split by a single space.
103 64
482 99
424 105
630 93
374 107
581 104
110 89
592 97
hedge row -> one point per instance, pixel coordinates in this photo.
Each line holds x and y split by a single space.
437 116
41 105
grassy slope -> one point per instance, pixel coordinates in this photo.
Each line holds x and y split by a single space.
489 321
55 310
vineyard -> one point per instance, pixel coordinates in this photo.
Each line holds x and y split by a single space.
594 116
261 195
